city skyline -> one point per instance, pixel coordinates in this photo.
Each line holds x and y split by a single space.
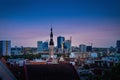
25 22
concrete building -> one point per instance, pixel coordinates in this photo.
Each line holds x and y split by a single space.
94 55
45 46
118 46
82 48
30 50
42 46
79 55
67 46
60 42
16 51
89 48
5 48
39 46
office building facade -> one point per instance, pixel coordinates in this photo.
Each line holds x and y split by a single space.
45 46
39 46
83 48
118 46
89 48
60 42
5 48
67 45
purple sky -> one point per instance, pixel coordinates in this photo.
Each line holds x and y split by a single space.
25 22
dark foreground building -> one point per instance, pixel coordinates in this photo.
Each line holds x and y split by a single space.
118 46
51 72
61 71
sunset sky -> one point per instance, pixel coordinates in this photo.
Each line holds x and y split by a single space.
25 22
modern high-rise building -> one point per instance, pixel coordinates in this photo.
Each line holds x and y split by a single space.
118 46
5 48
60 42
82 48
67 45
89 48
39 46
51 45
45 46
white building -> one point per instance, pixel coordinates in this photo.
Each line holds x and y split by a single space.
5 48
93 55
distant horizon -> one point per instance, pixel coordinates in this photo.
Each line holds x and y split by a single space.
55 42
25 22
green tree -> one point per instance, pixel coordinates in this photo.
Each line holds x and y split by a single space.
113 73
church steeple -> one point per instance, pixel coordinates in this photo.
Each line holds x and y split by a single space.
51 44
51 37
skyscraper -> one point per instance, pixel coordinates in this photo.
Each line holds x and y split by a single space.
82 48
45 46
118 46
89 48
5 48
39 46
60 42
67 45
51 45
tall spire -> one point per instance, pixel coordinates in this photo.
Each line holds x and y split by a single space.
51 37
51 44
